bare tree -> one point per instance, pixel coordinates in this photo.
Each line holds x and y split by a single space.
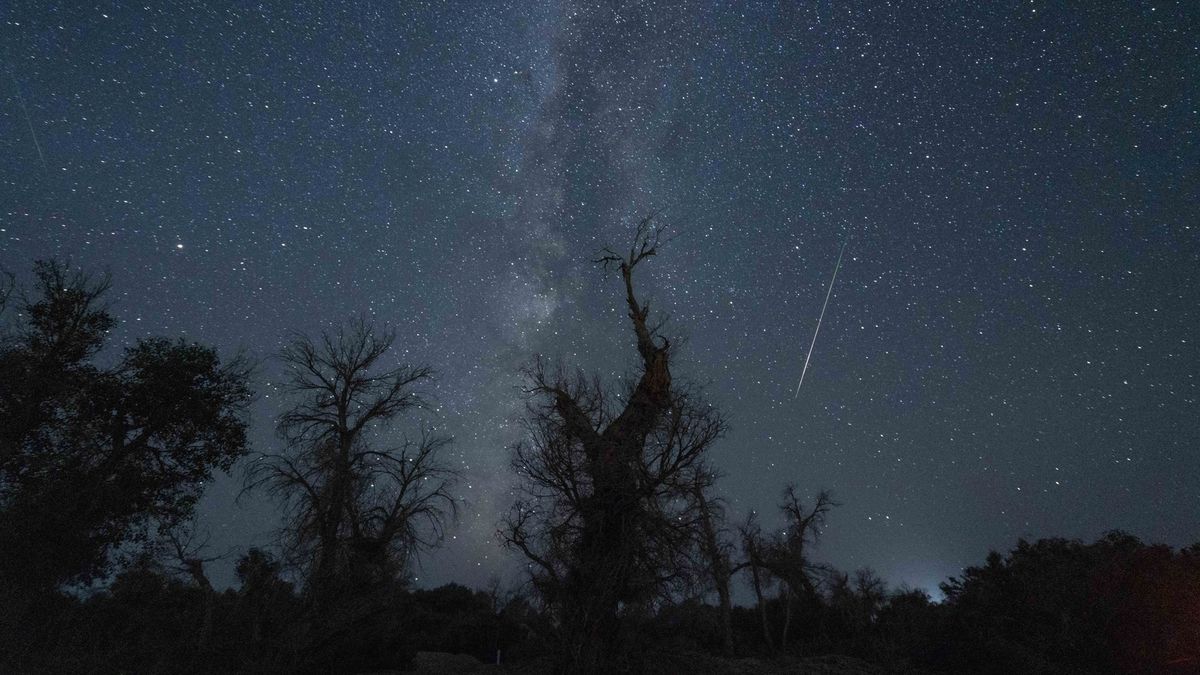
785 556
361 506
607 516
858 601
715 552
754 548
184 547
789 553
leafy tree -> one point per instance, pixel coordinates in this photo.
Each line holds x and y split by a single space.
92 457
908 627
1056 605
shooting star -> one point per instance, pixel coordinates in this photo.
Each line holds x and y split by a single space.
828 293
28 121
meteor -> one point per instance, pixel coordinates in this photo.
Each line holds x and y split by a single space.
828 293
28 121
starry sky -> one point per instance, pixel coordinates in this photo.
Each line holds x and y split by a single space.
1010 349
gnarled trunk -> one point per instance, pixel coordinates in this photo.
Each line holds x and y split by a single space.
605 577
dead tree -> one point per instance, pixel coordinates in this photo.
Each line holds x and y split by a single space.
183 552
754 549
608 515
715 552
788 554
361 503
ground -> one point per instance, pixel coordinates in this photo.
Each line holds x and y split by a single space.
440 663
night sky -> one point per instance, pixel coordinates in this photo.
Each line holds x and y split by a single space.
1010 349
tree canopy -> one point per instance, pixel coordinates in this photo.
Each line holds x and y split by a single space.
93 457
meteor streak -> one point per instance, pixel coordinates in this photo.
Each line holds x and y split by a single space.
821 317
28 121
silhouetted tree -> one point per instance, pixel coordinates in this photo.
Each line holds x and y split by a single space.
361 504
715 552
907 628
264 612
182 546
608 517
8 285
754 549
784 556
94 457
787 554
1055 605
858 599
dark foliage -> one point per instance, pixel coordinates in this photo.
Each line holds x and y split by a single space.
1051 606
1064 606
95 459
148 620
90 457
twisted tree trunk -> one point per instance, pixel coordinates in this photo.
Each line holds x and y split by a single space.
604 578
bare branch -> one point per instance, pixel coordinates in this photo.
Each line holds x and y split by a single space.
355 508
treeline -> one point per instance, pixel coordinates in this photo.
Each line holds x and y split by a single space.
632 558
1052 606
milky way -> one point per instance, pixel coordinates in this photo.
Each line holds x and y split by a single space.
1012 351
